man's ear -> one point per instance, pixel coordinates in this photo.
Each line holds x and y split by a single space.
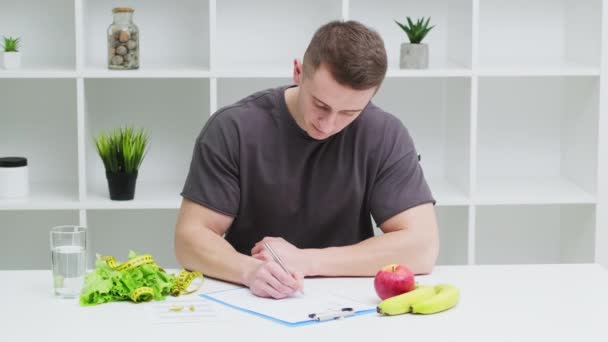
297 71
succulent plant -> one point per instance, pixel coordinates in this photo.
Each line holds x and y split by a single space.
11 44
416 32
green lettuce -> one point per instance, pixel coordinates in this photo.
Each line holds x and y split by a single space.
108 285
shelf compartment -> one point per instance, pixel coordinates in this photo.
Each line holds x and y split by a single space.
47 33
173 111
436 112
546 35
453 224
25 238
448 193
537 234
179 39
537 140
115 232
39 123
264 44
231 90
449 41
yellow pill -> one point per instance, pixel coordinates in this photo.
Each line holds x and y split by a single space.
176 308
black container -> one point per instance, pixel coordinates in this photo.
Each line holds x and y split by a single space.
121 185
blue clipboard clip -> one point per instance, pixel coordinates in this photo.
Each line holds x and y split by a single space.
332 314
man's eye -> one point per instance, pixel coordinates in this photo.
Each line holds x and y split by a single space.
349 113
320 106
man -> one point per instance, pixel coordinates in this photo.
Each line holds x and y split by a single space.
302 167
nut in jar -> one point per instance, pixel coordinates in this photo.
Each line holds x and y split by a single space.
123 40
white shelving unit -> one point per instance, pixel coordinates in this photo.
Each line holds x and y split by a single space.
508 118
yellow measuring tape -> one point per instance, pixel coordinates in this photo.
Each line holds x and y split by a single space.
141 294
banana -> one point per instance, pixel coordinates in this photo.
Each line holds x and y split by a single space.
446 297
402 303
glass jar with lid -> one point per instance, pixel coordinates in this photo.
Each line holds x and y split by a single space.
123 40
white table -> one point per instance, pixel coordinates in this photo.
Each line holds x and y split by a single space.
498 303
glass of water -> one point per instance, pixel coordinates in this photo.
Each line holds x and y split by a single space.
68 259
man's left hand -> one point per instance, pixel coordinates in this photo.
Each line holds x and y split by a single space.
295 259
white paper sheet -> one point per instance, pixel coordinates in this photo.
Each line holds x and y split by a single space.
320 295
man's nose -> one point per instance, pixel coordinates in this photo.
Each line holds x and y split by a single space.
327 122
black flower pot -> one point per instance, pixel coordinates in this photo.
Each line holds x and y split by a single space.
121 185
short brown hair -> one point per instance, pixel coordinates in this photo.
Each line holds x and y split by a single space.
354 54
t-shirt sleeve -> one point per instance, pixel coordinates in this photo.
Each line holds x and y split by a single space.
400 183
213 177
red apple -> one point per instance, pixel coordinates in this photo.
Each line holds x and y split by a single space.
393 280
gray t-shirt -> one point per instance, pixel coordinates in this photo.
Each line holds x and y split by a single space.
253 162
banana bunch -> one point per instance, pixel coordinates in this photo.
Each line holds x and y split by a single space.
424 299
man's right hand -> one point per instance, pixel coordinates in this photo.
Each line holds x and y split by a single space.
268 279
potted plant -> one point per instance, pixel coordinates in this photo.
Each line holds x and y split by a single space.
415 54
122 152
11 57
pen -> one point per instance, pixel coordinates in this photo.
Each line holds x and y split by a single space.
278 260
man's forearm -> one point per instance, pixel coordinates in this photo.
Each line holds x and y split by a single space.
367 257
200 249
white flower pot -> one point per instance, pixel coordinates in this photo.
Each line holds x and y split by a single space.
414 56
11 60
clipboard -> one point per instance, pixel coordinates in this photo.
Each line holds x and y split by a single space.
323 302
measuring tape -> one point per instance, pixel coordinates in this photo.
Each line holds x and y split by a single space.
143 294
